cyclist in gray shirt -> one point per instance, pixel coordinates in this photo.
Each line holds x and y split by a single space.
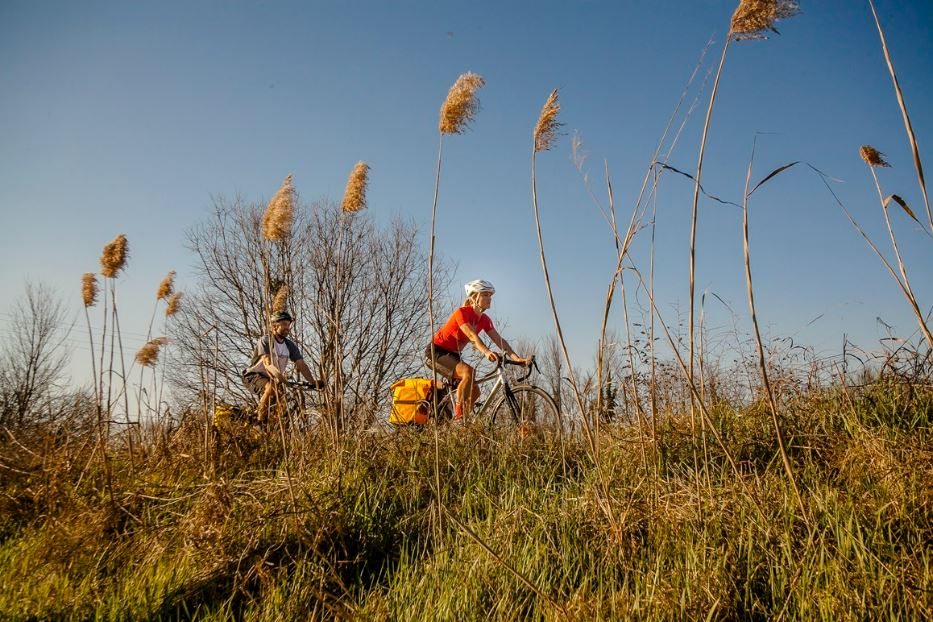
267 366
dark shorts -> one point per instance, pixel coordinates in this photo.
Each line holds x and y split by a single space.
256 382
445 361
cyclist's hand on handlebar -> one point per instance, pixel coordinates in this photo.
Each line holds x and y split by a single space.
526 361
491 356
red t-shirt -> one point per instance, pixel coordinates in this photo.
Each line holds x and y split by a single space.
451 337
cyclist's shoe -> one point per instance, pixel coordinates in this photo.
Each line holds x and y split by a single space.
458 412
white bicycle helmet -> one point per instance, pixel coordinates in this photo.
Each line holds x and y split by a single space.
479 286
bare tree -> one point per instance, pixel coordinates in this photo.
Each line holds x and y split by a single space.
33 356
356 291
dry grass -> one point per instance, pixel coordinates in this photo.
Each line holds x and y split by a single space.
280 302
753 18
280 213
166 287
461 105
872 156
526 538
149 353
546 128
354 196
89 289
174 304
114 257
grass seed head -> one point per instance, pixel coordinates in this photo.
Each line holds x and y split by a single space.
114 257
461 105
149 353
166 287
753 18
280 214
354 197
280 302
546 129
89 289
872 156
174 304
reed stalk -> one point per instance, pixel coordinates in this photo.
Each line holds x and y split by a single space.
165 291
277 224
89 292
544 135
874 159
911 137
457 112
693 230
762 364
113 261
913 303
750 20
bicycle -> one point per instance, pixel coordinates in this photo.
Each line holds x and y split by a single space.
297 412
506 406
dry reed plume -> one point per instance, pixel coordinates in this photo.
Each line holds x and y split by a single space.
89 289
149 353
354 197
461 105
280 302
114 257
547 126
872 156
174 304
166 287
277 221
753 18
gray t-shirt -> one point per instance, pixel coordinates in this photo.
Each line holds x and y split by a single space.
282 352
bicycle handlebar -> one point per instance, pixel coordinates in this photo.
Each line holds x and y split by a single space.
307 386
530 366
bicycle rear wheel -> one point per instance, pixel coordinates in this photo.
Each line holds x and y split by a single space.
525 406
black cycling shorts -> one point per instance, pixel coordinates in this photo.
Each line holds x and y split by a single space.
256 382
445 361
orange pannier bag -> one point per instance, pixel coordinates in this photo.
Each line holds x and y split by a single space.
411 401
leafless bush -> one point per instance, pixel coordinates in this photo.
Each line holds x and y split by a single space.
33 357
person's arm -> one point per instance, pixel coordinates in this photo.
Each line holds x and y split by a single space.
305 371
478 343
272 370
502 343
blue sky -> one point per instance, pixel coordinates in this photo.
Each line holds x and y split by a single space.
121 117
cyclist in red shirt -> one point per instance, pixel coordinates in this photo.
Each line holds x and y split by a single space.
464 326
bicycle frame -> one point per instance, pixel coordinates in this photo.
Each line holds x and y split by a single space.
501 384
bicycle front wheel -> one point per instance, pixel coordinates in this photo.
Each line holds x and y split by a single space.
525 406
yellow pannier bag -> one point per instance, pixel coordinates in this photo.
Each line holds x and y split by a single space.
411 401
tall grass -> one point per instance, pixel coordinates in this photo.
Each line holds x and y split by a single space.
527 537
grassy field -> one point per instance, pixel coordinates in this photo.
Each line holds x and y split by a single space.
778 503
532 528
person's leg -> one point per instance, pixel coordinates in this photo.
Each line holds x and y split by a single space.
467 391
267 391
